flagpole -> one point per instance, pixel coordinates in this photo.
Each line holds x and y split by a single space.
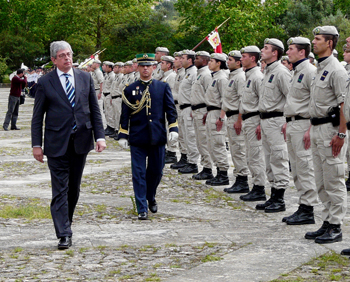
205 38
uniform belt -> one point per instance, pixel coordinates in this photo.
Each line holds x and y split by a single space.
199 106
318 121
176 102
249 115
271 115
106 94
212 108
288 119
184 106
115 97
232 113
97 89
348 125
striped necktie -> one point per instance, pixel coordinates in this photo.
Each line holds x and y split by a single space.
70 91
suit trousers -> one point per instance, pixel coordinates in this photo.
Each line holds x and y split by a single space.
12 111
147 165
66 173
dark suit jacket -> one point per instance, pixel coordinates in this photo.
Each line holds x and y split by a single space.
148 129
51 100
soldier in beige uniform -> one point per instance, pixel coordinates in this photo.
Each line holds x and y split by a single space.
273 91
180 74
297 131
230 104
216 120
285 61
135 69
328 138
107 87
98 79
251 120
199 110
160 51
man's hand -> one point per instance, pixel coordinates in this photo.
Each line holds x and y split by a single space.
173 137
238 126
38 154
307 140
336 143
205 118
99 96
258 132
100 146
219 124
284 131
123 143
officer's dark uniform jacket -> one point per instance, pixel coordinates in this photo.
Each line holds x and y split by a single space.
145 109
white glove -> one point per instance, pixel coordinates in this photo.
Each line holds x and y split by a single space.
173 136
123 143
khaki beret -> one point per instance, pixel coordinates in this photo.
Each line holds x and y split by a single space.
326 30
188 52
275 42
97 61
311 55
298 40
168 59
108 63
235 54
75 64
285 58
202 53
128 63
218 56
177 54
162 49
134 60
119 64
250 49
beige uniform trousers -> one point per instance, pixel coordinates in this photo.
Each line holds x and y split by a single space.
329 173
276 152
348 154
189 136
216 141
109 110
237 148
117 110
255 154
201 137
301 162
181 126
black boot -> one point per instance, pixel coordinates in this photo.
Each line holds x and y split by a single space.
304 215
189 168
262 207
114 134
278 204
240 186
348 183
345 252
256 194
170 157
313 235
208 182
109 130
181 163
205 174
219 180
333 234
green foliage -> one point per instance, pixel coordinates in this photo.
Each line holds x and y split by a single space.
3 67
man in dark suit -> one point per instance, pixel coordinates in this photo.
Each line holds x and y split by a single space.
145 103
67 98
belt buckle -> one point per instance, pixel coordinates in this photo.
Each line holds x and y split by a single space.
293 118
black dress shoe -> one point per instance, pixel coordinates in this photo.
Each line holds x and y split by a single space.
65 243
15 128
113 135
181 163
332 235
256 194
304 215
345 252
143 216
5 128
205 174
317 233
153 207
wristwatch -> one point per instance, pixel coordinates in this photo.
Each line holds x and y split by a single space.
220 119
341 135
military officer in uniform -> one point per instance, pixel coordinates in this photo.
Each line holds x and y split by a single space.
231 104
328 135
107 88
199 110
142 123
273 91
98 79
297 131
160 51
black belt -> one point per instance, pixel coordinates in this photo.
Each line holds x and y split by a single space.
288 119
271 115
318 121
184 106
212 108
199 106
106 94
232 113
115 97
348 125
97 89
176 102
249 115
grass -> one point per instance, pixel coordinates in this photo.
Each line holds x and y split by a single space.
209 258
29 211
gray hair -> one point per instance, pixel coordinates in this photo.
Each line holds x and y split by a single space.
56 46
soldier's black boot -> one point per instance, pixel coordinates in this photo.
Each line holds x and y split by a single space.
345 252
208 182
114 134
220 179
205 174
181 163
313 235
333 234
170 157
189 168
348 183
256 194
304 215
240 186
109 130
262 207
278 204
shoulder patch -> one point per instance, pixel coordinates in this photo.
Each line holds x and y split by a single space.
271 78
231 82
323 77
213 84
300 78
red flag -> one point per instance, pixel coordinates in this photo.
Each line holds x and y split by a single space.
214 40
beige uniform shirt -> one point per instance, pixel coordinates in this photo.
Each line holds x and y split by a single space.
115 84
328 88
200 86
250 92
158 73
234 89
107 84
122 84
97 77
274 88
136 75
186 85
178 79
298 98
169 77
216 89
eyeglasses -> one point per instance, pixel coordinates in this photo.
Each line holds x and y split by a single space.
63 55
